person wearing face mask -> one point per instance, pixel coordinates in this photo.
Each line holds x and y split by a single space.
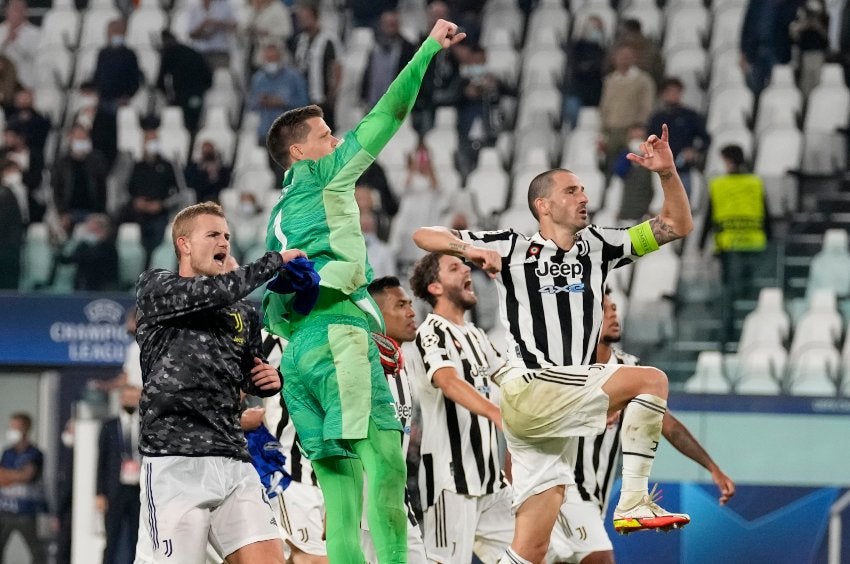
95 255
33 125
207 174
118 473
21 490
153 187
19 41
390 53
585 69
79 179
275 88
638 189
12 227
117 74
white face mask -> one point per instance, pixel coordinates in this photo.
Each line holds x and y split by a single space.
88 101
248 208
81 146
271 68
152 147
13 179
13 436
634 146
68 439
116 40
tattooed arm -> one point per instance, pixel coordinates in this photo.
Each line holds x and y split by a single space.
682 439
675 220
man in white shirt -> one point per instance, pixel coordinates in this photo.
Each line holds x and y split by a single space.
19 41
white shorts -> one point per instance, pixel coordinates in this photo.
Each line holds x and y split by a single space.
542 411
415 547
578 531
301 509
458 525
189 501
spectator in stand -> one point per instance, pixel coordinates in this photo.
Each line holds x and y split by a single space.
117 75
389 54
12 228
8 82
765 39
585 69
79 179
184 77
32 124
95 255
628 94
809 34
64 494
688 137
367 13
317 56
211 27
275 88
630 34
268 21
13 179
381 256
368 200
375 178
638 189
21 490
152 188
442 83
208 175
19 41
479 102
16 149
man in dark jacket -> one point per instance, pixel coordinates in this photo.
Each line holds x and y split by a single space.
184 77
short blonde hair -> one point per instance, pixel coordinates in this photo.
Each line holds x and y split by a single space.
184 219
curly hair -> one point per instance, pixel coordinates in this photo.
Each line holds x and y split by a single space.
426 271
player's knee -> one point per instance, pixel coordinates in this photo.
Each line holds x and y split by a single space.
655 382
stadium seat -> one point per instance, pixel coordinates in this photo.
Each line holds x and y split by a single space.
709 376
488 184
726 27
581 146
687 23
550 15
505 16
217 129
36 257
730 106
779 151
173 134
761 371
60 25
131 254
148 58
519 219
542 69
54 64
820 325
129 131
145 25
95 19
830 268
814 371
86 63
647 13
781 102
442 144
768 324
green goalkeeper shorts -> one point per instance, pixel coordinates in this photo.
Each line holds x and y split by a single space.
333 384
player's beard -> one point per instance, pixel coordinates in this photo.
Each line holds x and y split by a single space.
610 339
460 297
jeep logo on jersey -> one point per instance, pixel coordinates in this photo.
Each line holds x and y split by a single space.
568 269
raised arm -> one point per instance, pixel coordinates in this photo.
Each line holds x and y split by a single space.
448 242
682 439
380 124
675 220
162 295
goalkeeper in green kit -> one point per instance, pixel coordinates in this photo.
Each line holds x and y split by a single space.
334 385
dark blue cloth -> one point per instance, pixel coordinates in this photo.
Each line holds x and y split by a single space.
23 499
298 276
268 459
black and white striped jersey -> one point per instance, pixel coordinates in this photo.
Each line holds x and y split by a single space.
278 422
596 458
459 450
550 300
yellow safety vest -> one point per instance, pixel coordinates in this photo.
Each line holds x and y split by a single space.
737 204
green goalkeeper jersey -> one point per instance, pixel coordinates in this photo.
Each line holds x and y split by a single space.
317 212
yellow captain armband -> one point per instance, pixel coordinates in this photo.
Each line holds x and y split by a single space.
643 239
